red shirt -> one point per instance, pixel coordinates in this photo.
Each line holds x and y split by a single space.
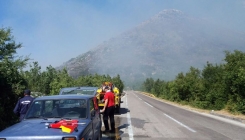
110 96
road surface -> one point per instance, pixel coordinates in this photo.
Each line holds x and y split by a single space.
144 118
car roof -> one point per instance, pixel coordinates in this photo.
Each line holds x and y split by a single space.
68 96
78 88
70 88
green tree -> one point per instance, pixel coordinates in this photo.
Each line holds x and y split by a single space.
12 83
181 88
214 86
118 83
62 80
33 76
148 84
235 80
47 77
194 83
158 84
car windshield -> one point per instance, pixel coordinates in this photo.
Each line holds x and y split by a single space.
65 108
79 91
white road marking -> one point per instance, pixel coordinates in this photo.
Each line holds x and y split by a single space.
180 123
130 130
135 95
140 98
148 104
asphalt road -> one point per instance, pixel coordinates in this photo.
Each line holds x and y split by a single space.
144 118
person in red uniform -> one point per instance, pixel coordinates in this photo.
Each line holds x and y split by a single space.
108 110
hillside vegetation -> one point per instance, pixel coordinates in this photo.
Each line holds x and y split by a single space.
216 87
161 47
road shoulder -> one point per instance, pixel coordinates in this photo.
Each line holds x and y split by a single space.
221 113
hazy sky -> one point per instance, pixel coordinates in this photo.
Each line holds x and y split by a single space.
54 31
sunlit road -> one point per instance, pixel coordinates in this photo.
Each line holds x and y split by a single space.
144 118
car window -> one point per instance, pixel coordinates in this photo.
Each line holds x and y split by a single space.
91 105
48 106
65 108
35 109
79 91
88 92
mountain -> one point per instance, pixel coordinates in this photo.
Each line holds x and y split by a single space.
161 47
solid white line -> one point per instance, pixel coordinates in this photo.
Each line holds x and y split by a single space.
130 130
148 104
140 98
180 123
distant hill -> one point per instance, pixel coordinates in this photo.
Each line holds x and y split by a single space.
161 47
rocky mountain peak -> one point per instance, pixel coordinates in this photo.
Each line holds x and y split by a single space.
166 16
170 13
161 47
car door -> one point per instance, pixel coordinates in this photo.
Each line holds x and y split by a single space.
97 113
95 116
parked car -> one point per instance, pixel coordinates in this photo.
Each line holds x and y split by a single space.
58 117
79 90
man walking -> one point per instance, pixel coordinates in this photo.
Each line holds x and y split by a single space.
108 110
23 104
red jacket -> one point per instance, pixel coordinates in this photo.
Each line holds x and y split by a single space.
111 98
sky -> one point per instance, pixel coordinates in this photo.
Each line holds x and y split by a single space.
54 31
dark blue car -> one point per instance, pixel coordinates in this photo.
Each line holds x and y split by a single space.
48 111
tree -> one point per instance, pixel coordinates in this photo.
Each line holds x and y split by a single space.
12 83
48 76
235 80
214 86
118 83
33 76
62 80
148 84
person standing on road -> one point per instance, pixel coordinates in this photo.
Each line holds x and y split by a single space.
23 104
108 110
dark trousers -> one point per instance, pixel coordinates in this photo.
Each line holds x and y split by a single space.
22 117
109 112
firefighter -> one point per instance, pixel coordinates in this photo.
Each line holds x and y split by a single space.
23 104
108 110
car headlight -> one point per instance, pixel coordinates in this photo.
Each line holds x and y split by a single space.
67 138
